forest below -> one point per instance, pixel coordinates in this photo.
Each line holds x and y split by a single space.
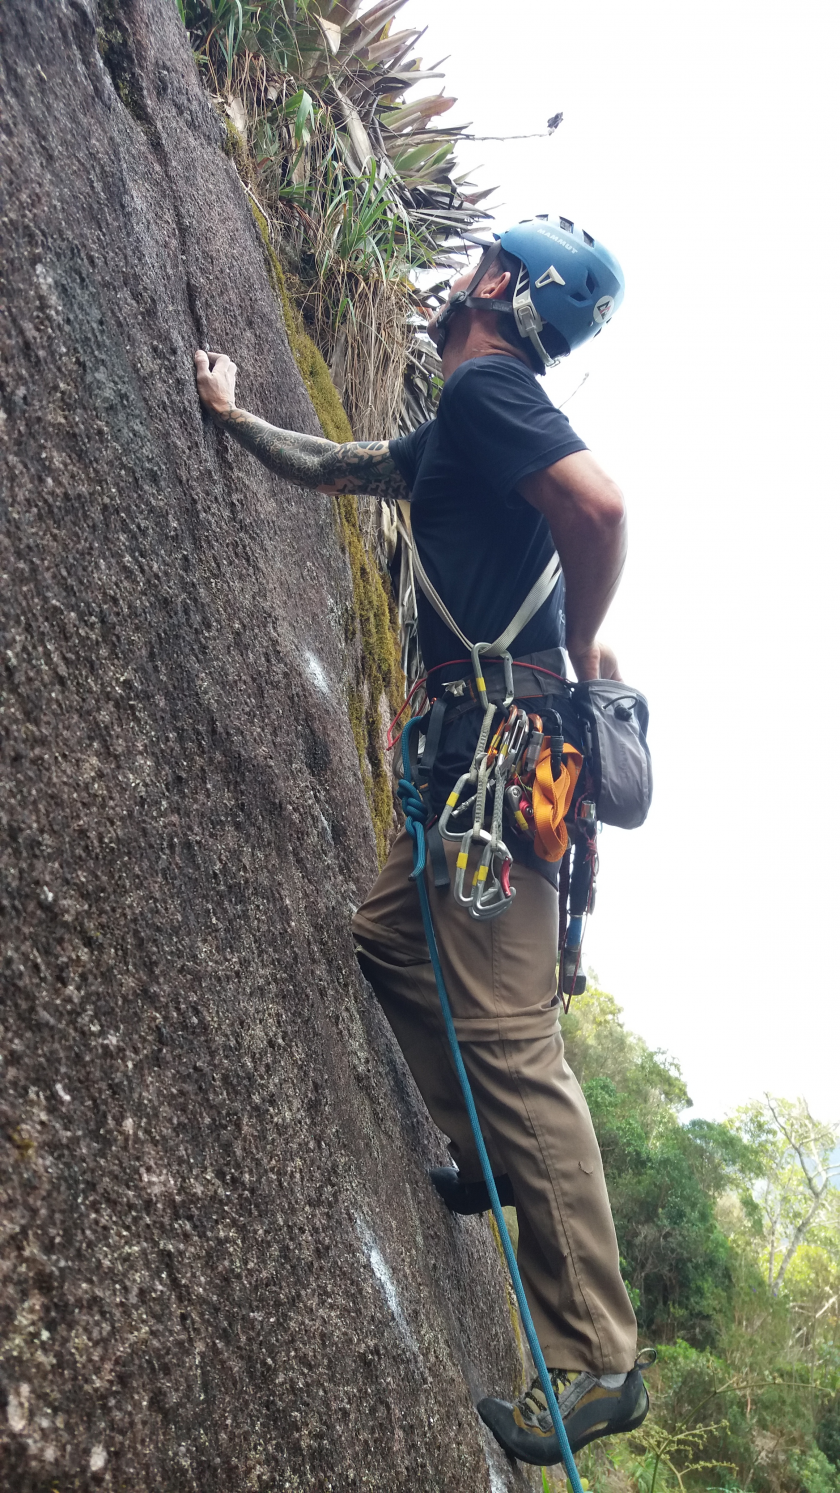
730 1243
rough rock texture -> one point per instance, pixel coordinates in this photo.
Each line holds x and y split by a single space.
222 1266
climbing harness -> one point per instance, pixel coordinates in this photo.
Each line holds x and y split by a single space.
496 760
526 773
526 776
415 818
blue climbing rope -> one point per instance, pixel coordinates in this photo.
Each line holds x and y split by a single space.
415 821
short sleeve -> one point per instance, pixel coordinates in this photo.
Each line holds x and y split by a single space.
505 425
407 451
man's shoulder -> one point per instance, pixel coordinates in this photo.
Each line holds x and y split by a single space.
492 378
502 422
493 368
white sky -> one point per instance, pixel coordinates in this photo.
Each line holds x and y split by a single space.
700 144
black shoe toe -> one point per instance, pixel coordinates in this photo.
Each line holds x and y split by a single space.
468 1197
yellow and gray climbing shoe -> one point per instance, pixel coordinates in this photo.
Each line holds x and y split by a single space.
590 1408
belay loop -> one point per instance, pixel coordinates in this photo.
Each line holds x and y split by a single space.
415 818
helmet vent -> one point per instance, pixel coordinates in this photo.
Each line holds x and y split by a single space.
591 282
551 275
587 238
564 223
579 295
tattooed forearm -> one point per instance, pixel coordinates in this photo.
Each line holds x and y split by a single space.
310 461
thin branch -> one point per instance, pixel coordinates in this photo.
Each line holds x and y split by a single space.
539 135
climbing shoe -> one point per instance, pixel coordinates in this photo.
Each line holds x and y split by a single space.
468 1197
590 1408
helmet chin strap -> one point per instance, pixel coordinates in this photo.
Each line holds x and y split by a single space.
468 299
528 322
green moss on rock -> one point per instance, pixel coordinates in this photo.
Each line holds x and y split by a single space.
373 619
236 150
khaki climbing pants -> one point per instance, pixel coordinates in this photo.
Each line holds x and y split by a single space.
501 984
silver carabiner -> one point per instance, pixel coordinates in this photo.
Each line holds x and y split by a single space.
450 807
507 660
516 740
488 901
472 835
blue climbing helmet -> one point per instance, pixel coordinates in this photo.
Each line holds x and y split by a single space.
568 282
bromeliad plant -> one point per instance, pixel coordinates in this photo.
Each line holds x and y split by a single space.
357 180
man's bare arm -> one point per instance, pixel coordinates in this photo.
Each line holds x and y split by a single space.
310 461
585 513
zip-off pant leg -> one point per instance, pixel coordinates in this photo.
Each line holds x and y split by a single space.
501 984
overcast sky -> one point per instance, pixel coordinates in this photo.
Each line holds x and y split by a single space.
700 144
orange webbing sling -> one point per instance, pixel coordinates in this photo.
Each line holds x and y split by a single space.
552 800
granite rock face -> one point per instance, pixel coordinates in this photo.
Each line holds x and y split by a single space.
222 1266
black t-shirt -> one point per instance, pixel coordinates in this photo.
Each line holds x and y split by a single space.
482 545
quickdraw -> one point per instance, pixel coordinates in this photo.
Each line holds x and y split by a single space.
494 759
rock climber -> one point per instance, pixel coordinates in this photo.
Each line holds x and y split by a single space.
497 482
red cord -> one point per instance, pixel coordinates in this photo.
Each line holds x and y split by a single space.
537 668
390 739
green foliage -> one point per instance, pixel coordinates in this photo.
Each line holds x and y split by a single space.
222 30
664 1177
746 1391
814 1472
363 230
828 1432
795 1195
316 374
359 188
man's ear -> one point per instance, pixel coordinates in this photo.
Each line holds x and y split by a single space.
494 284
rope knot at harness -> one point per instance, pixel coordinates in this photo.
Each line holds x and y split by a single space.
415 822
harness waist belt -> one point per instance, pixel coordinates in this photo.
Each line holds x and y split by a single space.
534 675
